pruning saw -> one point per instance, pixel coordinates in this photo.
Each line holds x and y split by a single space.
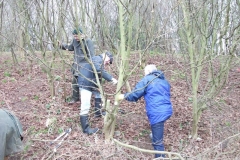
63 136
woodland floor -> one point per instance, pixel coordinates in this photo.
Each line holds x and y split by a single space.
25 91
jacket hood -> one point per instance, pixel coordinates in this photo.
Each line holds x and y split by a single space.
158 74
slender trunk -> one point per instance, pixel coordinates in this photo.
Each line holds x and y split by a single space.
15 61
195 111
51 83
110 119
64 80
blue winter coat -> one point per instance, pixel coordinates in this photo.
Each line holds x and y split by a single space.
87 76
156 92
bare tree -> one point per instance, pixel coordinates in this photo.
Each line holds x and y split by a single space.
204 24
204 33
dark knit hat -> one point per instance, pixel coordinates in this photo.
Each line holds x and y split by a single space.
76 31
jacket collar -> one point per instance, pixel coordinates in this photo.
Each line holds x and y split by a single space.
158 74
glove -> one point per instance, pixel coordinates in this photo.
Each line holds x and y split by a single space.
120 97
114 81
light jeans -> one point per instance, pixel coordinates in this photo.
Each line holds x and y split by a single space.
86 100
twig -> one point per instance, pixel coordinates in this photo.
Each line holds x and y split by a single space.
220 143
150 151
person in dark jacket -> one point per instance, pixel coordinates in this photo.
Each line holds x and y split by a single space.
87 85
156 92
79 48
10 134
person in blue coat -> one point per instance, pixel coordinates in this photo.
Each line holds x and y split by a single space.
87 85
156 92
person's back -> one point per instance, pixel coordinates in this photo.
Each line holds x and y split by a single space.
87 76
157 97
10 134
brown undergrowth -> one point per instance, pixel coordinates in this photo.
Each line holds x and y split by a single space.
28 96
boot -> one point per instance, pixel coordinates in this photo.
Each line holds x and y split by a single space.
98 106
85 126
75 91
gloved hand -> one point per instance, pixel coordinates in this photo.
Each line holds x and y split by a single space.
114 81
120 97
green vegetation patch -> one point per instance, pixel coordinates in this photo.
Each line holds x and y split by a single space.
7 74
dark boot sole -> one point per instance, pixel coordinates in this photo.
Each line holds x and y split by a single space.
93 133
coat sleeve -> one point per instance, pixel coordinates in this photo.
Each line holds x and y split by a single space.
67 47
100 69
138 91
106 75
90 47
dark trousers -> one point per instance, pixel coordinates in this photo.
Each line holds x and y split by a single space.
75 88
157 140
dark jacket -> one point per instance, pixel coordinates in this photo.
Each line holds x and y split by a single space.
87 76
79 57
156 92
10 134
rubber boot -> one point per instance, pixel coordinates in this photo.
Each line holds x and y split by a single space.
98 106
75 91
85 126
